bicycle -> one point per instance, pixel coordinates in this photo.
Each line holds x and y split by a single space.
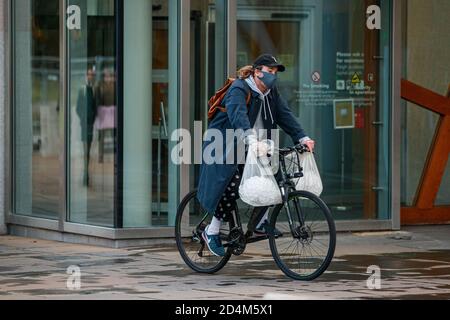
302 218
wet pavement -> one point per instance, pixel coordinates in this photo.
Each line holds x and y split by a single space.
413 264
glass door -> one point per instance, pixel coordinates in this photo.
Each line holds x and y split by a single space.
38 117
337 84
208 66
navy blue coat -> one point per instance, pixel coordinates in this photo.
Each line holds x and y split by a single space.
215 178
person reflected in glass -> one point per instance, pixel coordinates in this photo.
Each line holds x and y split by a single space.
86 110
106 104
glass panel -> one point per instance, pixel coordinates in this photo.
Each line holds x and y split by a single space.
92 105
443 198
426 24
208 73
150 107
419 127
333 63
38 118
208 58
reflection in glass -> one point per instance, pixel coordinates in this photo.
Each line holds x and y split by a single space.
86 111
92 102
38 119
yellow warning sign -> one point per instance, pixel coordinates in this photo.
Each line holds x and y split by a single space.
356 79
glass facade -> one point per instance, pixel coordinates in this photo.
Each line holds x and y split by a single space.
425 24
208 64
332 62
94 106
37 114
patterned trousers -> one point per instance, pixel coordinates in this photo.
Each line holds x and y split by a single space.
228 203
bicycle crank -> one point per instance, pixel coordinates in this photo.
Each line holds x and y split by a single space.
237 242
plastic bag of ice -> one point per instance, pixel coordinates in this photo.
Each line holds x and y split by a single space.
258 185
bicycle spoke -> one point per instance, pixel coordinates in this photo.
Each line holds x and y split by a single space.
287 249
322 244
194 252
303 254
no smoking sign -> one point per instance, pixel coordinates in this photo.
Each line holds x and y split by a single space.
315 76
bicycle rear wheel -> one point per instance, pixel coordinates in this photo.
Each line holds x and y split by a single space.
305 250
190 222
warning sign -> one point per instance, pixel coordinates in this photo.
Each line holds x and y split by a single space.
356 79
315 76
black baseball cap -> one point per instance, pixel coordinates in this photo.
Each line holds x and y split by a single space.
268 60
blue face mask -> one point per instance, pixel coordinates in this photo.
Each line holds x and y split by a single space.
269 79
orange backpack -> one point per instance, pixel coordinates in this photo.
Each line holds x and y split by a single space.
215 103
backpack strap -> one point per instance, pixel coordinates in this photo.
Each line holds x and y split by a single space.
215 103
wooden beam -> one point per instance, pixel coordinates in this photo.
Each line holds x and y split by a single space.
437 159
436 215
435 166
425 98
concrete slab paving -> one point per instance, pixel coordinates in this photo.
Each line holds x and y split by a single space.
414 264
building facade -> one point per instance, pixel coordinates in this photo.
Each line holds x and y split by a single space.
92 91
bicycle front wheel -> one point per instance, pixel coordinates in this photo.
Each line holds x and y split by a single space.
191 221
306 247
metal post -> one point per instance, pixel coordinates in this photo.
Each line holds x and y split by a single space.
178 99
342 167
231 26
162 121
396 133
63 98
3 132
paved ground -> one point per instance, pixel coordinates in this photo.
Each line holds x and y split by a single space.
415 264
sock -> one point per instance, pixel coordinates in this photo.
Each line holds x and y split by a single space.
214 227
264 218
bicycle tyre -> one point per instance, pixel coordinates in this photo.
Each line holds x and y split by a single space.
276 221
215 264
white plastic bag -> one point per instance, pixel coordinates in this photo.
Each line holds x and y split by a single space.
311 180
258 185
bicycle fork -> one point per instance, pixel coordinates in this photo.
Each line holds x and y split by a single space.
298 212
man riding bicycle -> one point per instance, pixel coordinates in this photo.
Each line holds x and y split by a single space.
218 187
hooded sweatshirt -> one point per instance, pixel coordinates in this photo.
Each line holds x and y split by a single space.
265 110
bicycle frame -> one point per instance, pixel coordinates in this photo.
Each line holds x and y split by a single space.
286 187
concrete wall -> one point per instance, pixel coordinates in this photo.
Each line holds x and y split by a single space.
2 115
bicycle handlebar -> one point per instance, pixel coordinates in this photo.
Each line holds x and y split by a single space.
302 148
